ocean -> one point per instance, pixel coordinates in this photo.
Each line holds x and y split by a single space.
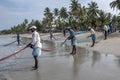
7 48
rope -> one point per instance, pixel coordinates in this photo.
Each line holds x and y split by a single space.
4 58
48 49
63 42
18 51
9 43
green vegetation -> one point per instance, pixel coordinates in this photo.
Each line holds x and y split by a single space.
78 17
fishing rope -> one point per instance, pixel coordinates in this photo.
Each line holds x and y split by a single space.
9 43
18 51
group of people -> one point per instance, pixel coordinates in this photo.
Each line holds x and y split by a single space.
108 29
36 45
73 38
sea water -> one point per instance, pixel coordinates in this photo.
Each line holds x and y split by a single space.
9 49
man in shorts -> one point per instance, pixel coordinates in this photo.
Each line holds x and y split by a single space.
73 40
35 45
93 36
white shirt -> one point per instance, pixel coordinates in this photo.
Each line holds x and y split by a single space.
92 31
36 40
105 28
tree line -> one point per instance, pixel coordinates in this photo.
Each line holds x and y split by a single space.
78 17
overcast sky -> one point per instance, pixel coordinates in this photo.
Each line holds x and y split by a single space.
13 12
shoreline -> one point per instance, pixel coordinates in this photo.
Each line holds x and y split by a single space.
111 45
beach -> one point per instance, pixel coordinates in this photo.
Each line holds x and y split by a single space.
109 46
101 62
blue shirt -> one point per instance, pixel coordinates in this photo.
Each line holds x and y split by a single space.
111 26
72 33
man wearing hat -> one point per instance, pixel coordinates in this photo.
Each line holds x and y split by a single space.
93 35
35 45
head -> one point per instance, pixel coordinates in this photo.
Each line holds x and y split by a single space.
33 28
68 28
89 28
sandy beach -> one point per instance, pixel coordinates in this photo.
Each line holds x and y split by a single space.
109 46
98 63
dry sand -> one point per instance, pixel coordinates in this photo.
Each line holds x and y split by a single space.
109 46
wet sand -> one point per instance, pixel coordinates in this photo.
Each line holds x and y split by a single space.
88 64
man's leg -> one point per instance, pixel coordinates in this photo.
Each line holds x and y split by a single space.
50 37
105 35
18 41
36 62
74 49
93 42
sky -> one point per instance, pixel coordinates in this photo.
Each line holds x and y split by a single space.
13 12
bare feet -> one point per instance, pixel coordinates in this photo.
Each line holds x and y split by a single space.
92 46
72 53
35 67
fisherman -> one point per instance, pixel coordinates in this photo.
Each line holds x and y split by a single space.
73 40
64 32
18 38
111 25
105 28
51 35
36 45
93 35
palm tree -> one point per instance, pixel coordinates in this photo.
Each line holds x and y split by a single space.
82 21
63 16
115 4
114 19
109 17
48 17
63 13
74 7
93 11
75 14
102 18
56 14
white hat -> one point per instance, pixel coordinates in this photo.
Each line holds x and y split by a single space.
33 27
89 27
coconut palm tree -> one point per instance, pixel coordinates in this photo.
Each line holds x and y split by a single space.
109 17
114 19
63 13
102 18
63 16
56 14
48 17
115 4
82 22
75 7
93 11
